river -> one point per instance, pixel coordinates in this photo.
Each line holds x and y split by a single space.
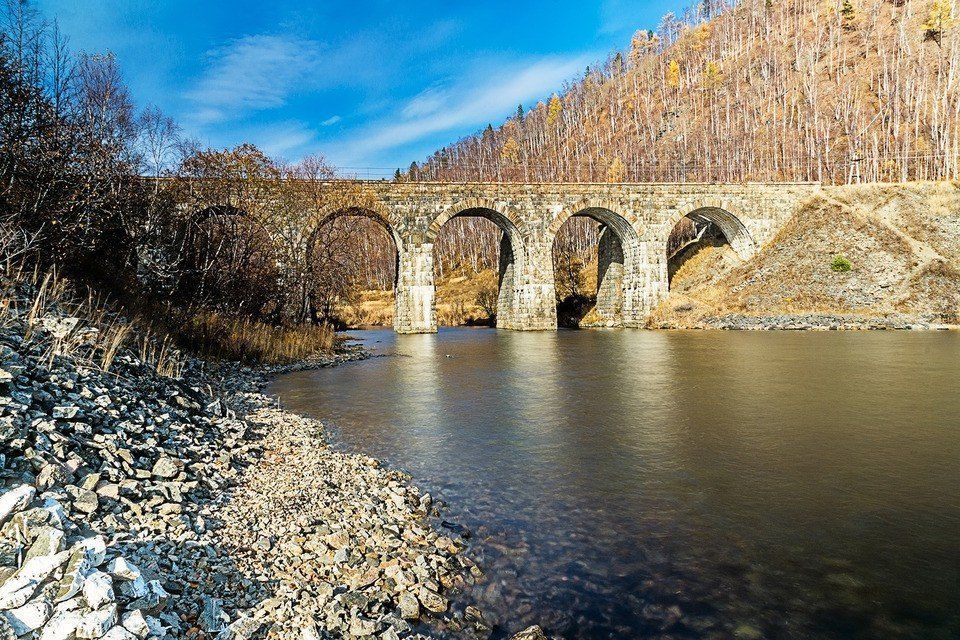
628 484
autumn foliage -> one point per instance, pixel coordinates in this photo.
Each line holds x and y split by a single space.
835 91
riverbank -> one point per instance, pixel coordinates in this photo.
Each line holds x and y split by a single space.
233 518
809 322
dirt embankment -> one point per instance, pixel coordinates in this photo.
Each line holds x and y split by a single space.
855 256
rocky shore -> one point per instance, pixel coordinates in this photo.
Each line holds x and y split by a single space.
136 505
806 322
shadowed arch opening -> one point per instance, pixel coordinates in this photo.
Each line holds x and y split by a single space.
705 243
217 211
593 249
477 250
352 258
229 263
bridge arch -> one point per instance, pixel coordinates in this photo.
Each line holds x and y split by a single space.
324 219
508 219
706 224
230 259
370 212
729 224
618 253
513 250
607 212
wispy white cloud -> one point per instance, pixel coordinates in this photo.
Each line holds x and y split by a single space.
253 73
480 96
331 120
426 102
285 139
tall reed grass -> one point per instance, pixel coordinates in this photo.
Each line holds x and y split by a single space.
95 331
212 335
65 323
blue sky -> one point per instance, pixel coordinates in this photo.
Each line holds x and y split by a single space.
368 84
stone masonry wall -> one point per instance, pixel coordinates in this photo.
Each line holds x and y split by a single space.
642 216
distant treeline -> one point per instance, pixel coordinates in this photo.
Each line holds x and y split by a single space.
838 91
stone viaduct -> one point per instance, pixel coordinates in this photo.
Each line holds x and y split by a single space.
636 218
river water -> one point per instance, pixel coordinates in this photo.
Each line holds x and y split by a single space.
626 484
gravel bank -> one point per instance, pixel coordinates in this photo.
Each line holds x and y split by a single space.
195 508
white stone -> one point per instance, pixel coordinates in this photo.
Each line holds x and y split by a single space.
96 623
309 632
65 413
15 500
62 626
136 623
95 548
48 542
72 581
20 587
118 633
98 589
243 628
120 568
29 617
58 516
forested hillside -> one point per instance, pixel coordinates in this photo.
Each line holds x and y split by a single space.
830 90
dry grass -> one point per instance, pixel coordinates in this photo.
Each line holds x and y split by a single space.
458 296
457 303
374 308
211 335
935 287
94 332
67 325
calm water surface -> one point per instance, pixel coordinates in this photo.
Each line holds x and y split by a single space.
683 485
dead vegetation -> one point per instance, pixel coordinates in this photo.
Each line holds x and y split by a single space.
69 320
833 91
61 322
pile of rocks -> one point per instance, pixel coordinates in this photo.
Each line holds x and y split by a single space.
57 584
238 519
814 322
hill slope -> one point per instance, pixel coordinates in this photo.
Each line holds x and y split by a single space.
830 90
902 243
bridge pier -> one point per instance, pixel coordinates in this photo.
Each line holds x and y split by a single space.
536 308
610 273
415 311
507 307
534 304
650 284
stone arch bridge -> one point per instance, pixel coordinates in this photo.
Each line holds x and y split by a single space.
637 220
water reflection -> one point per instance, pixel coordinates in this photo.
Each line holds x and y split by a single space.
628 483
